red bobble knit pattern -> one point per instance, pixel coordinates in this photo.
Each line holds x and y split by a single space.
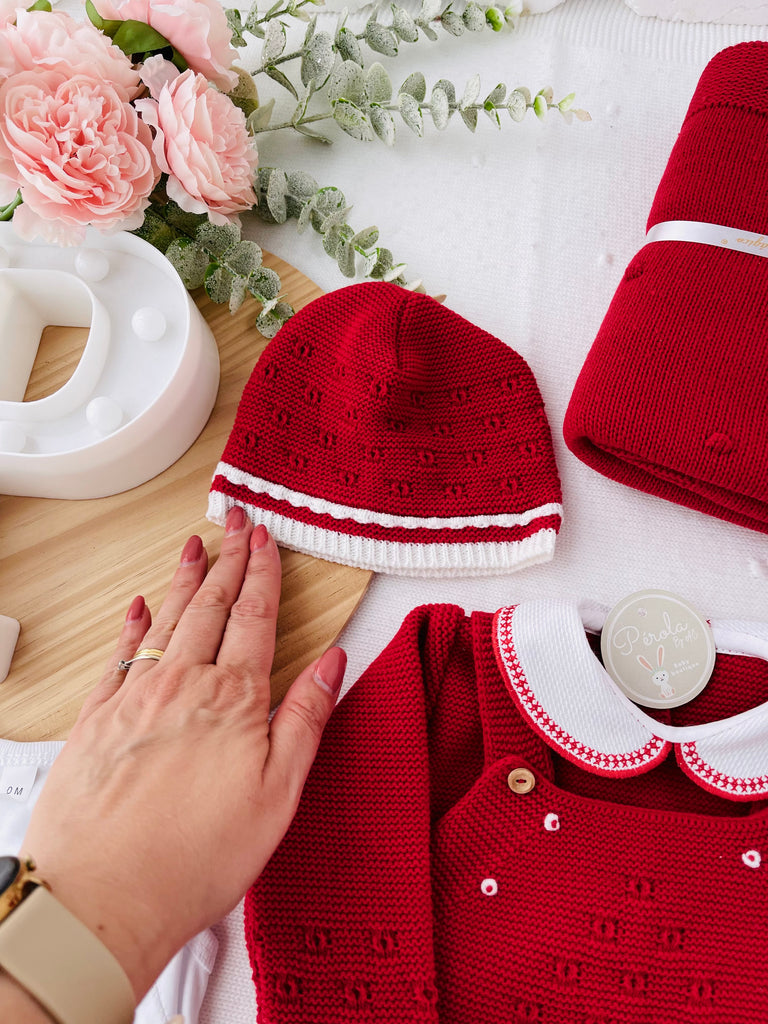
378 413
672 398
447 867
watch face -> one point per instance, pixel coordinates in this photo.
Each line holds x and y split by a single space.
9 869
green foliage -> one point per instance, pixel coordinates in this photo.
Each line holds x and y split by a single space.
215 257
326 210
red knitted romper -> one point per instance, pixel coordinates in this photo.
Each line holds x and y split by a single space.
458 858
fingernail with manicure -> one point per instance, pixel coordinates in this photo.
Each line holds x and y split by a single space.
136 609
259 537
235 519
191 551
329 673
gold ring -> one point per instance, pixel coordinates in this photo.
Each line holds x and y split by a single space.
145 654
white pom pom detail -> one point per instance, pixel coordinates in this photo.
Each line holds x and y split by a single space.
552 822
752 858
489 887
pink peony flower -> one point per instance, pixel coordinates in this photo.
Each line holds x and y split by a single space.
8 10
197 28
202 144
78 152
40 39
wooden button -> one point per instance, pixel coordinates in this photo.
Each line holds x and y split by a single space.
521 780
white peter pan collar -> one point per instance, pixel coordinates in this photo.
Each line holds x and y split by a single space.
564 692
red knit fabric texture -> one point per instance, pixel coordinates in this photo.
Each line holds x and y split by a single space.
379 399
416 886
673 396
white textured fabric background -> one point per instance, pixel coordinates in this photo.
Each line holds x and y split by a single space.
528 231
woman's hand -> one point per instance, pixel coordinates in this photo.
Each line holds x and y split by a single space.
174 789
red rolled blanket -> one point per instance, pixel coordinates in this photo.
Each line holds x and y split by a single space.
673 396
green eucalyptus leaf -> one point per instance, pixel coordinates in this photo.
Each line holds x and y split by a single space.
429 10
264 284
448 88
238 293
277 76
525 93
495 18
517 105
300 184
366 238
566 102
187 223
427 29
269 321
310 134
403 25
471 92
453 23
345 257
540 107
493 114
311 26
384 262
415 85
439 108
411 113
243 258
337 219
469 117
348 47
496 96
275 196
378 87
274 41
189 261
474 17
383 123
235 24
368 263
347 82
380 38
332 239
218 283
329 199
41 5
319 58
394 272
217 238
154 229
353 120
259 119
302 221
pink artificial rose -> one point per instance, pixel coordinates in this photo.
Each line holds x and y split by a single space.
202 144
197 28
48 40
78 152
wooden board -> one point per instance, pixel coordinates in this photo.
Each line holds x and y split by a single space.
69 569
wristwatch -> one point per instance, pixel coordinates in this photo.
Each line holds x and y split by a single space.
54 956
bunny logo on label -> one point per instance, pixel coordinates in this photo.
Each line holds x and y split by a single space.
658 649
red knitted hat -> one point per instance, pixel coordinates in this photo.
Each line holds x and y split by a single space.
381 430
673 396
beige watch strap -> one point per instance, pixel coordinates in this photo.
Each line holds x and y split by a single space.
60 962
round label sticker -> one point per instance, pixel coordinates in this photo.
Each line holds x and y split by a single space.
658 649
